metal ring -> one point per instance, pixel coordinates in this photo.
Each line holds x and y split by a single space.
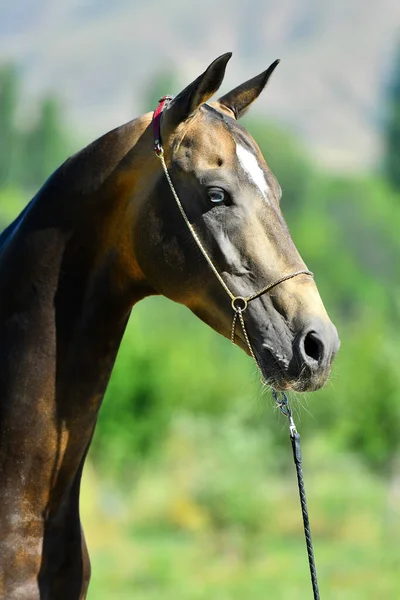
158 149
237 308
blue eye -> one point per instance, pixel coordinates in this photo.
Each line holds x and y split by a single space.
216 195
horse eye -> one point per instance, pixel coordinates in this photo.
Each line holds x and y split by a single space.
216 195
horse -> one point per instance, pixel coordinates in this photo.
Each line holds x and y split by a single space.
111 226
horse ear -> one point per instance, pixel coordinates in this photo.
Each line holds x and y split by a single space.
198 92
239 99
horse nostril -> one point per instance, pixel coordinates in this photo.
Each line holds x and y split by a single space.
313 348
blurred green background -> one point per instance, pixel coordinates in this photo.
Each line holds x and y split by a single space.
189 490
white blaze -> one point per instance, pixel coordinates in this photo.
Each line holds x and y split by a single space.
249 164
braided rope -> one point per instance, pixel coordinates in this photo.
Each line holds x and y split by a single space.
295 439
191 228
282 402
269 287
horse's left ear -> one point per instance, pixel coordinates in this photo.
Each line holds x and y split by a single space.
239 99
198 92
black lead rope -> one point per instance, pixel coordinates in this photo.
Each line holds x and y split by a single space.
282 401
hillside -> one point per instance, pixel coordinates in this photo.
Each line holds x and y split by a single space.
100 56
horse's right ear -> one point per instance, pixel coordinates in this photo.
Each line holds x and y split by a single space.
198 92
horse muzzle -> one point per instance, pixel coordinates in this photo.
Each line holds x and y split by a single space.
306 364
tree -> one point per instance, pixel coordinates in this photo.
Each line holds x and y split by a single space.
8 133
28 155
46 145
392 129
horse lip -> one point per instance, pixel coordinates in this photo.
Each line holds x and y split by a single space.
276 373
296 385
278 365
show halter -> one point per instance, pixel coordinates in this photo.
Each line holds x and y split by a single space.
239 305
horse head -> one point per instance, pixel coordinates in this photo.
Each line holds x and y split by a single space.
229 199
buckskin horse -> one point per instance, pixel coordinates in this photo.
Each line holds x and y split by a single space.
113 225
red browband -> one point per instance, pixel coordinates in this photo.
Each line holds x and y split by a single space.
157 123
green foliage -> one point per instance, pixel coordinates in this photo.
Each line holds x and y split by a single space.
9 146
160 370
28 155
214 518
367 410
347 233
45 146
392 129
12 202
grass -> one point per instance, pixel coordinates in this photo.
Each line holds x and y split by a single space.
212 518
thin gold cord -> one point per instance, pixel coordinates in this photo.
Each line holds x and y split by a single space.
192 230
233 327
247 340
269 287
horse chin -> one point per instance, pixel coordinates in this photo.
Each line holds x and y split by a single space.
280 379
283 384
311 384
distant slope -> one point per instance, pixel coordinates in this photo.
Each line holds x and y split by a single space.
100 57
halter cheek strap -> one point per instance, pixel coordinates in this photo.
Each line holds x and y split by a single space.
239 303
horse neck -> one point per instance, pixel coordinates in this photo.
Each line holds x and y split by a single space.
67 285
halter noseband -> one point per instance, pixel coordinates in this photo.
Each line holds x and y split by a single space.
239 303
